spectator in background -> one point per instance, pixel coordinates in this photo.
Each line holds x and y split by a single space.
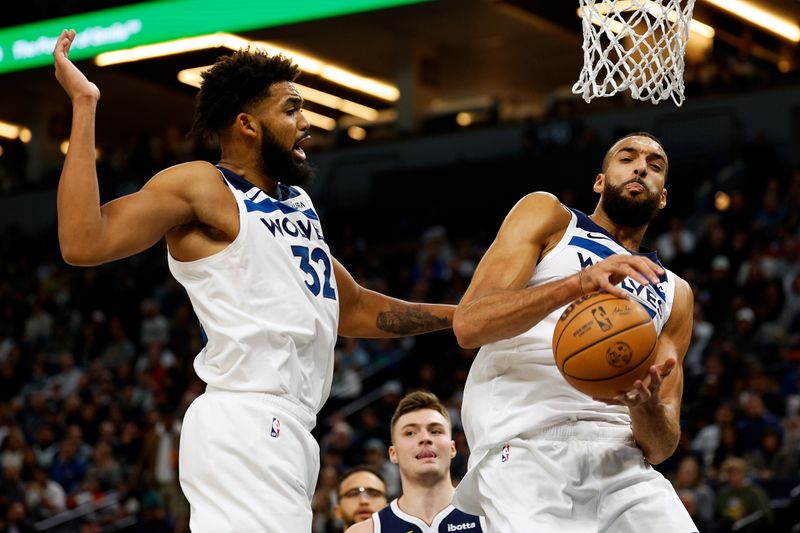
375 457
43 496
104 468
12 489
346 383
361 492
68 468
17 519
689 500
738 498
730 446
676 244
13 449
771 460
324 500
689 479
757 420
45 446
120 349
158 467
155 326
339 441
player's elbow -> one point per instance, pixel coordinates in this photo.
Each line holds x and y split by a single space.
465 331
656 458
74 258
77 254
662 451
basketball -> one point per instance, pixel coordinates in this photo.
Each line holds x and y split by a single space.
603 343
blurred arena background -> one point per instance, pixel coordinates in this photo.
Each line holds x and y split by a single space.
472 110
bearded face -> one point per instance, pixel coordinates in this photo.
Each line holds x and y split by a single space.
281 164
628 209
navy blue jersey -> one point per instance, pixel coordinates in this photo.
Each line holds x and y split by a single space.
391 519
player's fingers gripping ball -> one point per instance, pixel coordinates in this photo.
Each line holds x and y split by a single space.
603 343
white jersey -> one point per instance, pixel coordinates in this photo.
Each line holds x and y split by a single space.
268 303
514 388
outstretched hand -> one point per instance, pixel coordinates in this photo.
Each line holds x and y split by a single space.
71 79
646 390
608 273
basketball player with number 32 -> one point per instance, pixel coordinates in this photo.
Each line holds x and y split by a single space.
544 455
245 241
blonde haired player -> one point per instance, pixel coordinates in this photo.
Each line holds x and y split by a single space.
545 457
423 448
246 243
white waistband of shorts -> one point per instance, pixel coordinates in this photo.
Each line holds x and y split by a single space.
299 412
585 430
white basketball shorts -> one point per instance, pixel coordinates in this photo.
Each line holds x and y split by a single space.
248 463
576 478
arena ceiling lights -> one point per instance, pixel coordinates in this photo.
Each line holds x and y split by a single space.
308 64
754 14
14 131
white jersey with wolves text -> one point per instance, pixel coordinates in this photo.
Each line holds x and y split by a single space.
514 388
268 303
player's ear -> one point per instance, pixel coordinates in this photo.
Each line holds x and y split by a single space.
245 123
453 450
392 454
663 202
338 511
598 183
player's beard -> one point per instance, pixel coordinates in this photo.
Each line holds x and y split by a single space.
281 165
630 211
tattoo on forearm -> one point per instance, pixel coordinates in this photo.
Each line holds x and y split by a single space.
410 320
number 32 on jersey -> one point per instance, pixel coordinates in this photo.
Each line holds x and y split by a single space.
316 255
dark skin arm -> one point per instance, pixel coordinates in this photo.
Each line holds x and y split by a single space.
498 303
655 403
368 314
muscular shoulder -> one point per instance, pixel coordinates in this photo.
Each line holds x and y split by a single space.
538 216
187 178
684 297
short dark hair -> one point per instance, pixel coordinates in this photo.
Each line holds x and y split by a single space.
607 157
233 84
356 470
416 401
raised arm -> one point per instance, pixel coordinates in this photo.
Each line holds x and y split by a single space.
498 303
368 314
88 233
655 408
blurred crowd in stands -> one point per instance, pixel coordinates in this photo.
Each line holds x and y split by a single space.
96 363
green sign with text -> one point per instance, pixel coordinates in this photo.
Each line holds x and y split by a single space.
31 45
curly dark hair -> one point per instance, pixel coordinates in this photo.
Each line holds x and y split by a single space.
233 84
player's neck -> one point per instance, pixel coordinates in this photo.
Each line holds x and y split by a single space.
629 237
252 172
426 501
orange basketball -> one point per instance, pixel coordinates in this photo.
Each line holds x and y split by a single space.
603 343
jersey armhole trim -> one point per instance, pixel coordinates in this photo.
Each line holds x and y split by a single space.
562 243
231 247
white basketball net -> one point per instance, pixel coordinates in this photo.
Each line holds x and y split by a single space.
635 45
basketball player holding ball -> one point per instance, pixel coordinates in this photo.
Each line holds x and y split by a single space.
544 456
